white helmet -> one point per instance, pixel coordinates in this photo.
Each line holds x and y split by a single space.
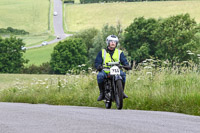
112 38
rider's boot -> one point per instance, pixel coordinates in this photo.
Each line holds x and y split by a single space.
124 95
101 89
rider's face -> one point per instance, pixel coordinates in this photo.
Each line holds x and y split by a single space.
112 44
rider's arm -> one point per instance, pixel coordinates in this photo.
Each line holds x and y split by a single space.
123 59
98 60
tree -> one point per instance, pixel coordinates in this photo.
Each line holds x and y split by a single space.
87 36
175 36
11 57
68 55
139 38
165 39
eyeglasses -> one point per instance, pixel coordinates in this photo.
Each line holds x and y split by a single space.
113 41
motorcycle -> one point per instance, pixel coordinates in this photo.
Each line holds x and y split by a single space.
113 85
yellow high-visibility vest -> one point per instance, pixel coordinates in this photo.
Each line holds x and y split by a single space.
107 58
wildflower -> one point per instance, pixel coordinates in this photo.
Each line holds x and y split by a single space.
83 65
147 67
185 61
188 51
149 73
94 72
149 60
165 62
191 53
198 55
89 68
65 80
138 78
43 83
79 65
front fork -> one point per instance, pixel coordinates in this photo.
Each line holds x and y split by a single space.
114 80
110 88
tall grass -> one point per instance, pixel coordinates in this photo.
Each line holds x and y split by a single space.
163 89
83 16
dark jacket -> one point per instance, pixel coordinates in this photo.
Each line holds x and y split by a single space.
99 59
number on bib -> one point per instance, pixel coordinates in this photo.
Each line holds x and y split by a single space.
114 70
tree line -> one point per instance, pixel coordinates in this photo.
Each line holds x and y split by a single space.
175 39
108 1
12 31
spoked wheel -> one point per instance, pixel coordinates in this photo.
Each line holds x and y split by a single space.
108 104
119 94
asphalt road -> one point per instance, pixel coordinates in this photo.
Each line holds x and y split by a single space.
58 24
42 118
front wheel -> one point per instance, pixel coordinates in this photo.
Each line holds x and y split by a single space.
119 94
108 104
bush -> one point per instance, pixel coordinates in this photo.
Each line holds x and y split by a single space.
11 57
44 68
68 55
13 31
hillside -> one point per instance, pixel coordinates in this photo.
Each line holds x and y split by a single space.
29 15
83 16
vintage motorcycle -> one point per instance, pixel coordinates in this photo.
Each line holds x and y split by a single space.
113 85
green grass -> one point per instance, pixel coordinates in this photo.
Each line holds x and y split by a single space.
12 80
37 56
83 16
29 15
163 90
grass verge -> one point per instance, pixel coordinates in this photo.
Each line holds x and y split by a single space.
158 91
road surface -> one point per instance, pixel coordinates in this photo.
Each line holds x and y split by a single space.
42 118
58 24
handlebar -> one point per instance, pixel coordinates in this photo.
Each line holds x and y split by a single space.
120 66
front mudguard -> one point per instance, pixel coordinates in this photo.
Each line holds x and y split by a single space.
118 77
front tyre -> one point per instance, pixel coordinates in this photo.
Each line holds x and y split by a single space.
108 104
119 94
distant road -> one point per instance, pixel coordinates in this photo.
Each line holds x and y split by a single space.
42 118
58 24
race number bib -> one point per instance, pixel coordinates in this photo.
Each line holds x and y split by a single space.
114 70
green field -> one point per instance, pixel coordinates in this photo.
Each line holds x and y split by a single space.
83 16
37 56
29 15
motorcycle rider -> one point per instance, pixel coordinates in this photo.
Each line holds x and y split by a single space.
110 54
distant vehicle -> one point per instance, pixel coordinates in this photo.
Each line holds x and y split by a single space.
58 37
44 43
55 13
23 48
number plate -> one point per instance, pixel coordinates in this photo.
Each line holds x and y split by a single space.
114 70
